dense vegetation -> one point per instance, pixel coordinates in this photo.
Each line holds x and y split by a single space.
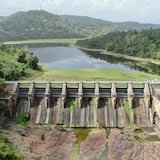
40 24
7 152
15 63
145 43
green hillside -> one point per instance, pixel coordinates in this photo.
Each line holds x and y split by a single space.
39 24
145 43
36 25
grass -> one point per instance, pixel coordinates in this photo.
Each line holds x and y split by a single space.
32 74
46 41
96 75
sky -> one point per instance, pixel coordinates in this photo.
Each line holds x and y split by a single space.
143 11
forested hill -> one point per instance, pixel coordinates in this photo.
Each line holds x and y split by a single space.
145 43
89 21
39 24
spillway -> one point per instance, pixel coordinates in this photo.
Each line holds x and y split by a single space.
84 104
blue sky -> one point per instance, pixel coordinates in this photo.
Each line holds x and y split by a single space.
144 11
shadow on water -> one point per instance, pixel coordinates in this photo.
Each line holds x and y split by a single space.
82 134
137 65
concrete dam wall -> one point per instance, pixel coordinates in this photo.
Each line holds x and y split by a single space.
85 104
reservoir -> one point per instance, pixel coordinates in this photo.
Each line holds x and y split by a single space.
68 58
64 57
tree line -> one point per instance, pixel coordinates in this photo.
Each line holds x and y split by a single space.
14 62
145 43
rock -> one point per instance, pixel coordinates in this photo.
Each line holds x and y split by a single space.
94 145
122 147
151 151
56 145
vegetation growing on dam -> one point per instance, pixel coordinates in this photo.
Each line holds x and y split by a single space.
138 44
23 119
17 63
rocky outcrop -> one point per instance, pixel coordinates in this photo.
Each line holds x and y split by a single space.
44 143
39 143
122 147
94 145
55 145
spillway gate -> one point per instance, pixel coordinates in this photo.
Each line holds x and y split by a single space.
83 104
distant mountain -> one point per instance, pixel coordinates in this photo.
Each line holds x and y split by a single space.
39 24
86 20
137 26
116 25
91 26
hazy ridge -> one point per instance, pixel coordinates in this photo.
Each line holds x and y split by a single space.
39 24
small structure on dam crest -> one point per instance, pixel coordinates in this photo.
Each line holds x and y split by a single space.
82 104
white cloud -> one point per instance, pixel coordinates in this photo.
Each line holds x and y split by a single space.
114 10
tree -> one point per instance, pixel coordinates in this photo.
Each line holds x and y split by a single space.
32 61
145 43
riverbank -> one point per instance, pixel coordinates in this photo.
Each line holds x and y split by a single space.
72 42
65 41
104 52
83 74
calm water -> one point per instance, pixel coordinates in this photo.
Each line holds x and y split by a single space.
68 57
60 57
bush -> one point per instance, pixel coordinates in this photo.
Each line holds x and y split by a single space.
23 119
2 107
7 152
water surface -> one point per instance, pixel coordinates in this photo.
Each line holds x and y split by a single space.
64 57
69 58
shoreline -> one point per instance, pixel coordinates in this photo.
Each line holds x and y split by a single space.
94 74
125 56
71 42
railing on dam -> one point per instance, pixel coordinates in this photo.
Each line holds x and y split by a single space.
74 89
105 101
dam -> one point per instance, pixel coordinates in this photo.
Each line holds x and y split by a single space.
111 104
